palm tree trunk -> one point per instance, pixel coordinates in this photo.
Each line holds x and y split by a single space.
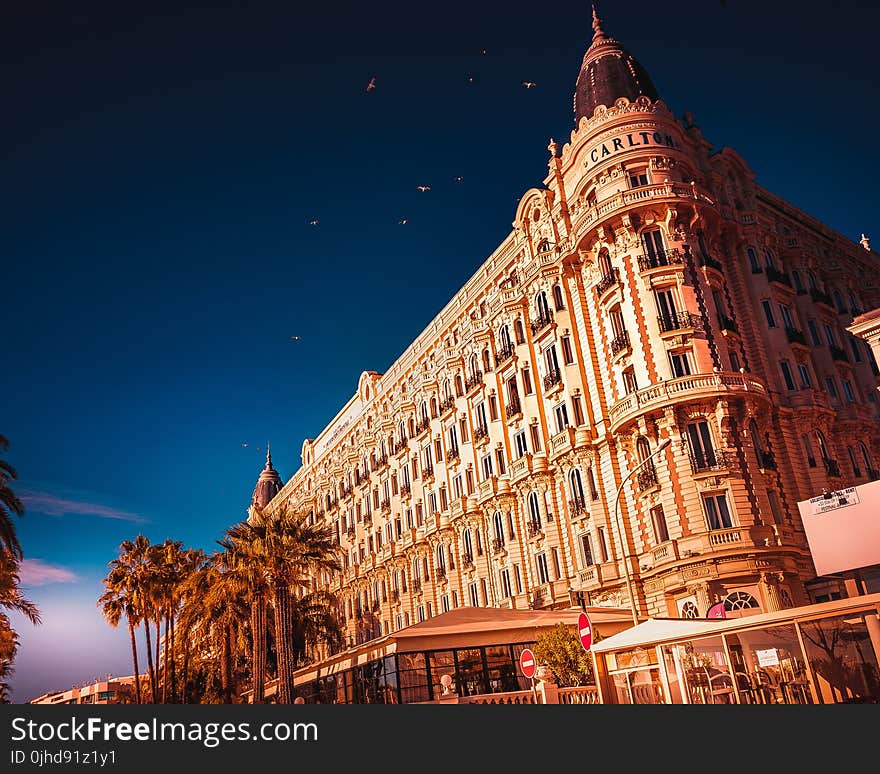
283 640
185 676
134 658
258 646
157 624
226 667
165 664
173 670
150 668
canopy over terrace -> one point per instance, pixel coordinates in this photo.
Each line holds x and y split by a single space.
464 627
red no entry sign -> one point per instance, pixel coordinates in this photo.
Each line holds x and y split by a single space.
527 663
585 630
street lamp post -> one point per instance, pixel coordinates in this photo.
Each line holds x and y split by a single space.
624 545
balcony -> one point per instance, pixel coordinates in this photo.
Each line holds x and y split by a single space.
452 456
428 474
447 404
521 468
780 277
708 262
533 529
660 259
385 505
796 336
481 434
416 586
552 379
607 281
473 380
682 389
562 442
422 425
578 507
708 460
512 408
646 194
766 460
541 321
838 354
821 297
498 545
504 354
831 467
676 321
467 561
487 489
620 343
457 506
591 577
647 477
440 574
395 596
405 489
726 323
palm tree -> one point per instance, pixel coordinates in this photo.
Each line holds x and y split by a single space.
9 504
287 549
11 598
120 599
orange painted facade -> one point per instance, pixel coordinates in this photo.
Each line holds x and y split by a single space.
651 289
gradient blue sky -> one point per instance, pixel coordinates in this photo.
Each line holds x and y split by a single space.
161 166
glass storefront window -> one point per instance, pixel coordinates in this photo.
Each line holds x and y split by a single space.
701 671
502 670
413 677
769 666
441 662
843 659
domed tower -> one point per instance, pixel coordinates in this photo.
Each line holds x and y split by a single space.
268 485
608 72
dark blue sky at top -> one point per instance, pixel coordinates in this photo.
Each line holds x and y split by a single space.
161 164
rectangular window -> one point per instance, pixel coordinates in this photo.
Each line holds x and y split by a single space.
541 565
577 410
420 515
666 309
567 354
856 349
493 408
637 179
486 463
469 479
814 332
829 335
804 373
658 520
561 413
536 438
681 363
499 457
734 361
700 443
472 592
847 391
787 375
717 513
554 553
587 549
653 240
629 381
504 577
831 385
444 498
456 487
527 381
517 577
453 439
787 320
768 313
464 431
432 503
603 543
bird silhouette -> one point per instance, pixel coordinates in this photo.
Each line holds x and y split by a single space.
457 179
403 222
371 85
313 222
470 79
245 445
529 84
423 188
295 338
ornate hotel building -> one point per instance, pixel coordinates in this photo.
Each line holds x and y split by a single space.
624 403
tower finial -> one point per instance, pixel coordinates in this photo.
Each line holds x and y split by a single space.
268 457
598 32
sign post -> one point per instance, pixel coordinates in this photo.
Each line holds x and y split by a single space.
585 631
528 666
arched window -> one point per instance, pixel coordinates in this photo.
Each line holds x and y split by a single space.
808 448
798 282
441 558
753 260
643 448
591 480
604 263
768 259
412 427
869 468
487 362
434 407
468 545
519 332
416 574
740 600
474 367
558 300
854 304
541 305
498 523
544 246
823 447
504 338
838 301
811 281
395 581
756 436
447 389
423 410
534 509
852 460
459 387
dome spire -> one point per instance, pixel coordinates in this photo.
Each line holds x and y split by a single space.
268 457
598 32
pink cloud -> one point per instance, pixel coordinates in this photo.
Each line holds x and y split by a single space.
36 572
52 505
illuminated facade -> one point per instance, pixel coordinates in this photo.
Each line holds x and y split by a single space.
650 290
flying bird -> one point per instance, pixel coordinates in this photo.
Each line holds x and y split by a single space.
403 222
313 222
371 85
458 179
423 188
470 79
296 338
245 445
529 84
483 51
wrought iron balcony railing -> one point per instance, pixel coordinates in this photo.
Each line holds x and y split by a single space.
612 278
552 378
541 321
675 321
660 258
505 352
620 343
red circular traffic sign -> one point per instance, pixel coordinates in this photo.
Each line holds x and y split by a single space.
527 663
585 630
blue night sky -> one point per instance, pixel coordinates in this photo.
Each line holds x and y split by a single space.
160 175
